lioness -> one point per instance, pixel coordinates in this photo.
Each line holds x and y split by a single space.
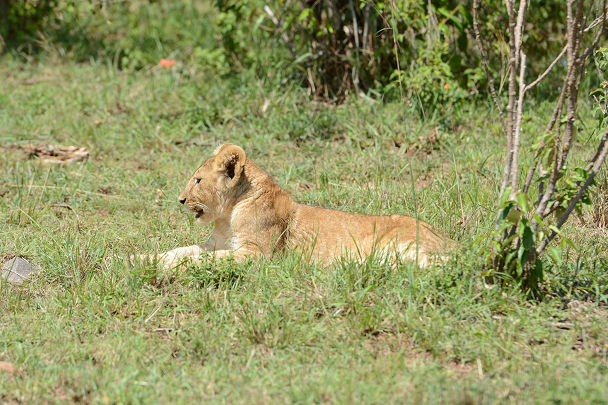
254 216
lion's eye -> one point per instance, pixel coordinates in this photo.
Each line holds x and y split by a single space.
196 181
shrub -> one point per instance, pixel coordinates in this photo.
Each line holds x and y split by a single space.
342 46
524 228
21 19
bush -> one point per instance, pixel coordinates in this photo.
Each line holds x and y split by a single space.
423 51
413 49
343 47
21 19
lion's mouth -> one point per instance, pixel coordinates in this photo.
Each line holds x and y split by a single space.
198 209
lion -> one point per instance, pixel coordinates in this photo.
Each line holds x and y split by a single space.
255 217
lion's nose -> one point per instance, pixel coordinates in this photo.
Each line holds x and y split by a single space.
182 200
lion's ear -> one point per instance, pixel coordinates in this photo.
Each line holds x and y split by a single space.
230 159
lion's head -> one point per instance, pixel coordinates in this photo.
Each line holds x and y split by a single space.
214 186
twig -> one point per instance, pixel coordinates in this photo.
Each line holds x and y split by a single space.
277 23
67 206
517 129
571 90
356 34
523 4
366 24
548 70
556 113
599 158
573 80
511 103
484 61
597 155
558 108
596 40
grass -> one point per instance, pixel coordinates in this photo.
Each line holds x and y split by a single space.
91 329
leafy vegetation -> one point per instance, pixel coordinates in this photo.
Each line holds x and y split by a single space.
423 51
525 229
91 328
20 20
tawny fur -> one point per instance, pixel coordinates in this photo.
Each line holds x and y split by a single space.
254 216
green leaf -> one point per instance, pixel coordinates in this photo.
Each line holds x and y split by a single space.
567 241
504 198
527 239
555 229
582 172
555 254
536 273
522 200
513 215
304 14
509 258
301 58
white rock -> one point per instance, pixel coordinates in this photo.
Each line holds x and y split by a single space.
17 270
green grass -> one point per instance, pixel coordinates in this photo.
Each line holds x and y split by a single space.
91 329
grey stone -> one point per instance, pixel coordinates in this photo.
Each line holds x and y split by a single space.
17 270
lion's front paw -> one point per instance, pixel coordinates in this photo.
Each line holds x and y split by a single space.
165 261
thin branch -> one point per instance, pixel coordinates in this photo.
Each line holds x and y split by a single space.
514 57
598 154
550 209
484 61
355 24
517 128
355 72
571 89
594 24
509 4
596 40
556 113
596 163
544 198
532 170
507 170
279 26
558 108
365 26
546 72
574 67
519 26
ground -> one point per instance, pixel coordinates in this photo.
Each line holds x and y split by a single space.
91 328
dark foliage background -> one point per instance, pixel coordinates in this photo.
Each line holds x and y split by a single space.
421 50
